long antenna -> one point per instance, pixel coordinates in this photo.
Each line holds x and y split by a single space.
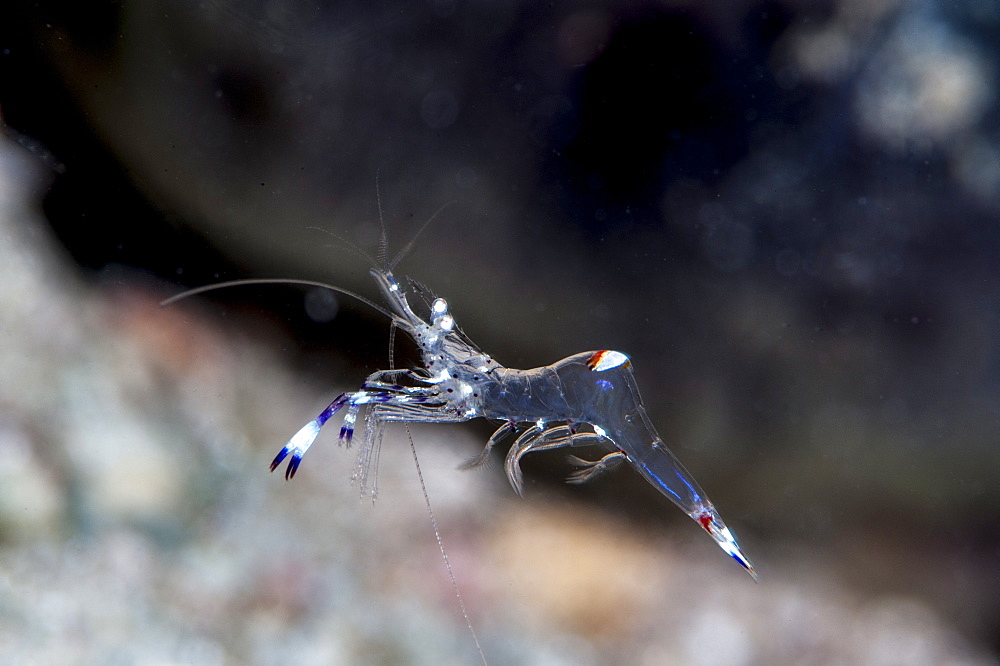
348 244
307 283
409 246
444 553
430 512
383 241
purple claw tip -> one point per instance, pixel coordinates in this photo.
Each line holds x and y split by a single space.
278 458
293 466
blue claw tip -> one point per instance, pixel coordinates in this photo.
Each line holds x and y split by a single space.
278 458
293 465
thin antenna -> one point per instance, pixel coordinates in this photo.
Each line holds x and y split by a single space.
409 246
444 553
383 241
430 511
392 346
307 283
348 244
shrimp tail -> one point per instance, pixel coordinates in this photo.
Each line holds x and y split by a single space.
666 473
710 520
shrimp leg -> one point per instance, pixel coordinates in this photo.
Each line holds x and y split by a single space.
539 438
418 410
521 446
590 470
399 403
483 459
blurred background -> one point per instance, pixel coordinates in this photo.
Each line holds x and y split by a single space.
785 212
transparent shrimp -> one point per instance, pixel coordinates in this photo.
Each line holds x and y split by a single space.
458 382
587 398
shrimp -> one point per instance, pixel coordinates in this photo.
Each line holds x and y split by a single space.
585 399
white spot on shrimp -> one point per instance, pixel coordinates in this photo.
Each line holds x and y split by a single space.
303 439
605 360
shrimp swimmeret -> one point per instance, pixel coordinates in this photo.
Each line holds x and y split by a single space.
587 398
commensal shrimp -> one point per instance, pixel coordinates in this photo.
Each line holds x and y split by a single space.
458 382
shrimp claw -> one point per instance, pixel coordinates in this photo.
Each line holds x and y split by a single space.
304 438
297 447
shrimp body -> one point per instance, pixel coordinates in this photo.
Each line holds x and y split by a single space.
584 399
